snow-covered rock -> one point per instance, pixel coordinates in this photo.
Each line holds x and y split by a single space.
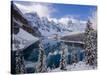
23 38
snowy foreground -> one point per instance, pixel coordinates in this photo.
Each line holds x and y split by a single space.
75 67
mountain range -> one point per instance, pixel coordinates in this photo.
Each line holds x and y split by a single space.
49 28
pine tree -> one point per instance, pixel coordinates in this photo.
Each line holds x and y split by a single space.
63 58
74 55
20 66
41 66
90 45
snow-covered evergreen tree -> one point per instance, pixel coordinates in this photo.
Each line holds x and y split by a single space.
41 66
74 55
20 66
90 44
63 57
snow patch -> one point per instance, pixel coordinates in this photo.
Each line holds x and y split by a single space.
24 38
74 67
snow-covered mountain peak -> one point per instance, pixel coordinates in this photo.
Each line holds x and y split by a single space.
49 27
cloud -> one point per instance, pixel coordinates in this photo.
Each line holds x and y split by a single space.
43 10
63 20
53 19
66 19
